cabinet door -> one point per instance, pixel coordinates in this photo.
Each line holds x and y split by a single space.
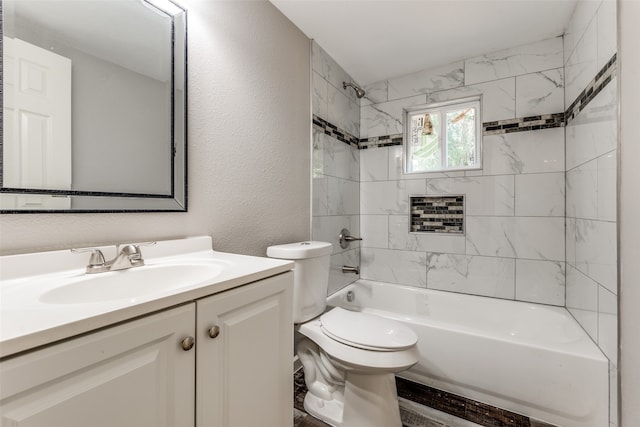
132 375
244 374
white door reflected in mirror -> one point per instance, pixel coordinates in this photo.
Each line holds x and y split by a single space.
37 125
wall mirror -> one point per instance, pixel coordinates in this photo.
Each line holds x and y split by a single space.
93 106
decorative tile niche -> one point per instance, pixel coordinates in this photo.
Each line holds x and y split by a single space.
437 214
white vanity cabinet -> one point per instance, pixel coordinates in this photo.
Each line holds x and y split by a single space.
245 356
146 373
132 375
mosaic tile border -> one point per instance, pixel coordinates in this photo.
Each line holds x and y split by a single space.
449 403
380 141
335 132
522 124
595 86
461 407
437 214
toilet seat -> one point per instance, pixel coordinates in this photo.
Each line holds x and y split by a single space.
363 360
366 331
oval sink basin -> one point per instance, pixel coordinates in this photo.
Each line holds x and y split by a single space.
131 284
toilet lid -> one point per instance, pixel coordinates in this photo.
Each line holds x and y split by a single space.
366 331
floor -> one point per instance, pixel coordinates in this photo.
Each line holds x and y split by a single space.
423 406
409 419
412 414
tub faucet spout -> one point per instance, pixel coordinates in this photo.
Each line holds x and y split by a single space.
349 269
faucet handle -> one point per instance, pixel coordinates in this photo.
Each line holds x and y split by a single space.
346 238
132 250
135 245
144 243
96 260
128 249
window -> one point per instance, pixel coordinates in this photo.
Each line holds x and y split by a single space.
443 136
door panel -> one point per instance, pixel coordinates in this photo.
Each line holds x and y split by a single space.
37 120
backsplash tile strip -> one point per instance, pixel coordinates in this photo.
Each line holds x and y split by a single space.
461 407
437 214
452 404
380 141
523 124
335 132
599 82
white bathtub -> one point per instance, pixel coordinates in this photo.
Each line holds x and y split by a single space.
530 359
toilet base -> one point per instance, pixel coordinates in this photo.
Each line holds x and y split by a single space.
348 386
329 411
369 401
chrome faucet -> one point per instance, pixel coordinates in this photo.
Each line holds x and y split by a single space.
127 256
350 269
346 238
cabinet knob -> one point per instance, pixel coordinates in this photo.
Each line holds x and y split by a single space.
188 343
214 331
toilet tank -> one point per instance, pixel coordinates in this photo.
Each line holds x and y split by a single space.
310 276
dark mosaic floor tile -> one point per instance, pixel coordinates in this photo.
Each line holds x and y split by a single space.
412 419
299 390
301 419
490 416
467 409
449 403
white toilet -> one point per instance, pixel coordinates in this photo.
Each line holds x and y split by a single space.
349 358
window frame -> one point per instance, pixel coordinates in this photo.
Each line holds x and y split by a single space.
442 108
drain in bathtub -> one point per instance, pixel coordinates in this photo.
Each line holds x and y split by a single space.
351 296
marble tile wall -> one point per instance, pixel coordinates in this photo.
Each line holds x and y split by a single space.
514 242
336 163
591 152
540 215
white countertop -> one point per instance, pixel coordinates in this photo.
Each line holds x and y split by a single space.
26 322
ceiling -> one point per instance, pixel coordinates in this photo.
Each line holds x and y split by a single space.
377 39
